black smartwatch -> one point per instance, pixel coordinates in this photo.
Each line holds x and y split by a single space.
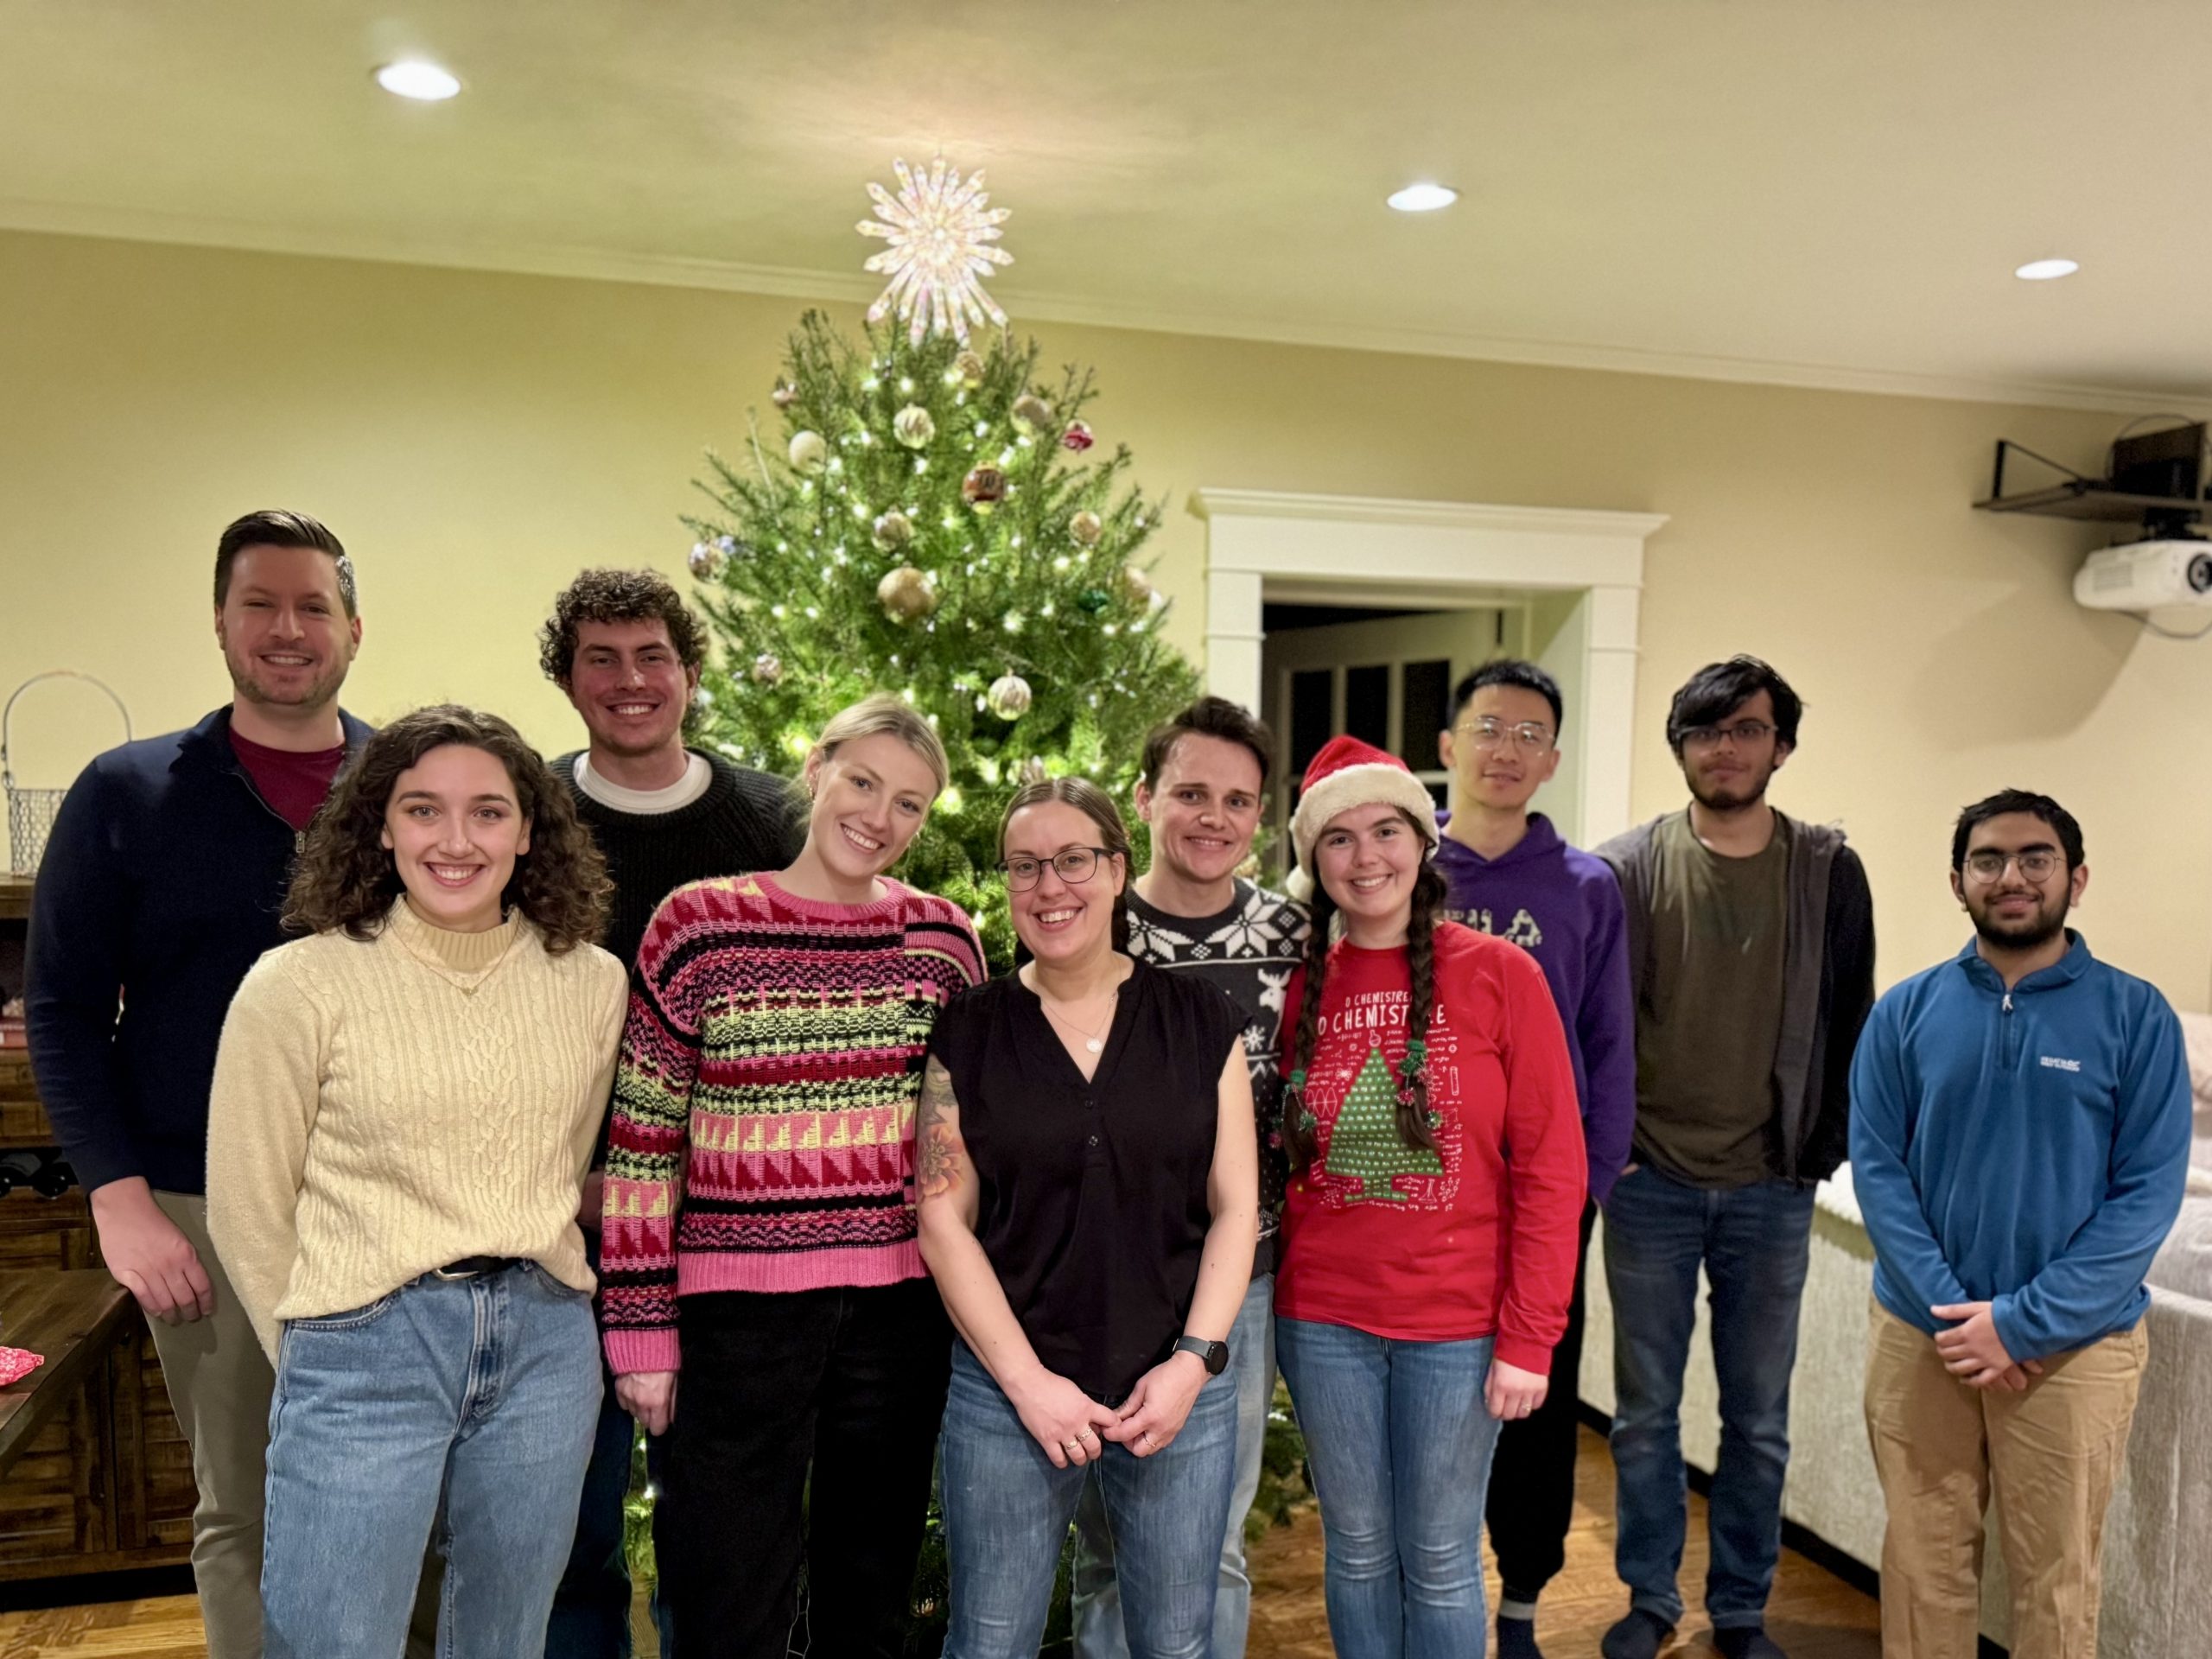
1215 1354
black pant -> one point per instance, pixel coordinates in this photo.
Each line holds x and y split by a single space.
851 1381
1531 1498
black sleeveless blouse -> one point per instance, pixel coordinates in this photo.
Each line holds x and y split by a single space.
1093 1205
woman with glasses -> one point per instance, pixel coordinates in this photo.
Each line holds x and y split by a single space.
1434 1216
404 1106
761 1172
1090 1205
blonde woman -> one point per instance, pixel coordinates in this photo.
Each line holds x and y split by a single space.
761 1171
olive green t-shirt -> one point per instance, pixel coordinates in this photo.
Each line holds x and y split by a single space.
1711 1013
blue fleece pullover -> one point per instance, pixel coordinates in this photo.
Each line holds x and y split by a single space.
2026 1149
1563 906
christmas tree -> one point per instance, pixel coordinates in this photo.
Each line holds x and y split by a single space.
928 524
1364 1144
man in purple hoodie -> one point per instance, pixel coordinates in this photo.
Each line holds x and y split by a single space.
1510 874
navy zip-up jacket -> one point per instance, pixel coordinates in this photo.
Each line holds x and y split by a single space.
2027 1148
162 884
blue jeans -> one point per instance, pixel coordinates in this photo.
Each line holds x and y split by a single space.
591 1608
1006 1511
1752 1243
1098 1632
1399 1443
467 1405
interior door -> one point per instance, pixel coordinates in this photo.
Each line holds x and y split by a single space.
1387 683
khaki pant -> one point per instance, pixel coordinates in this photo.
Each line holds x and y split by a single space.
219 1384
2051 1455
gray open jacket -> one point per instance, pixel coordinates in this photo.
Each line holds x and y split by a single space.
1827 968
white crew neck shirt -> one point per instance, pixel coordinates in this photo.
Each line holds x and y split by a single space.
697 776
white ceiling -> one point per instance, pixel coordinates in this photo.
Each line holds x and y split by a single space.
1830 192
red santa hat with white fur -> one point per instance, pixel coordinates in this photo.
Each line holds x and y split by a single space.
1348 773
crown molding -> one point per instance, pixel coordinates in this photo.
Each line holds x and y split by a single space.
667 270
1211 504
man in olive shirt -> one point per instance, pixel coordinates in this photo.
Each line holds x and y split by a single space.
1750 941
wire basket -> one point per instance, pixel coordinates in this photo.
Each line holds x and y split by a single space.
31 813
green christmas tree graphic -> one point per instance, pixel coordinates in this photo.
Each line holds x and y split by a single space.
1365 1146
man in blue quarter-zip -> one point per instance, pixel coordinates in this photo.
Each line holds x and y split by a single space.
2019 1141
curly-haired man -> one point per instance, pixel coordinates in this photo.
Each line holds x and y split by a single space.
626 650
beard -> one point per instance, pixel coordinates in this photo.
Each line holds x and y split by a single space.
1746 789
319 692
2043 925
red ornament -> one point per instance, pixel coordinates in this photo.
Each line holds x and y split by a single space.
1076 437
984 488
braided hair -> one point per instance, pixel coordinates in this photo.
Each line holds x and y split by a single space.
1416 1125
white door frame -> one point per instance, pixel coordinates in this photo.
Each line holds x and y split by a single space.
1421 552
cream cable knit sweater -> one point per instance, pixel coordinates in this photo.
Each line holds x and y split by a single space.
383 1108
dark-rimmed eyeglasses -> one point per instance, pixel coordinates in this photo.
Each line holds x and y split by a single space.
1745 734
1073 865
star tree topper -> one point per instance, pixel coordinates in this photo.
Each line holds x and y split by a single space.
941 237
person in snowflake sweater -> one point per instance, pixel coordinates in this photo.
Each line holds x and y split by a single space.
1437 1176
759 1235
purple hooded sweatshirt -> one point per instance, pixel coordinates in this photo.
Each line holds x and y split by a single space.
1563 906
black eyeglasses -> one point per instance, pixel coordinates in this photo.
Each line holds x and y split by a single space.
1745 734
1075 865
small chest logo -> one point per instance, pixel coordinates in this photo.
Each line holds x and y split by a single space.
2058 1064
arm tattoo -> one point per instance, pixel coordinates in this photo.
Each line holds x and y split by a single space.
938 1146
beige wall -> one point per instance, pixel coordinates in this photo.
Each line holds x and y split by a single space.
476 438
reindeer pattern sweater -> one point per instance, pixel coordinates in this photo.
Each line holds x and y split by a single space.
763 1137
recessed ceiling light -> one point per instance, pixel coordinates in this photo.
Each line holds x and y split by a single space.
2044 270
1423 198
413 78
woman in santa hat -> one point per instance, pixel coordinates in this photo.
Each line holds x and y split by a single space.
1432 1222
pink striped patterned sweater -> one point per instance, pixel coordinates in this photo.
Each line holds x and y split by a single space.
763 1137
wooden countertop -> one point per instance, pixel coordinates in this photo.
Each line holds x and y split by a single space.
71 1316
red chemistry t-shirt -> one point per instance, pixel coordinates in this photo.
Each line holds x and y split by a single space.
293 783
1479 1237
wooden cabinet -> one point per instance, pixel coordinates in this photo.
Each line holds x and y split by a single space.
107 1483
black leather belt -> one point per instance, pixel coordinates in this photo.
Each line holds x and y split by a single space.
476 1266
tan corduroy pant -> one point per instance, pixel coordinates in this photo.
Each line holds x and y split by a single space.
2050 1455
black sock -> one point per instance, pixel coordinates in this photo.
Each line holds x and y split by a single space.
1745 1642
1639 1636
1516 1638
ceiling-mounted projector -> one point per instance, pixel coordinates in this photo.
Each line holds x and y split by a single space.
2144 576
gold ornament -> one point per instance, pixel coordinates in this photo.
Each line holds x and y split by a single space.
983 488
891 532
1033 771
767 668
913 427
785 395
1032 415
905 595
1008 697
706 560
810 452
1085 528
969 368
1137 586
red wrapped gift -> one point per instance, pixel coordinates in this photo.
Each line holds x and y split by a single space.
16 1363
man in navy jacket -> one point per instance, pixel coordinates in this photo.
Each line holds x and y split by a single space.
162 882
2019 1143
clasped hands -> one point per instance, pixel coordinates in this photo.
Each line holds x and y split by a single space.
1973 1352
1073 1428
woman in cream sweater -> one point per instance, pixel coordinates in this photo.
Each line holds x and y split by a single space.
404 1106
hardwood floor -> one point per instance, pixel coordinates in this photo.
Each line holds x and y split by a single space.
1814 1614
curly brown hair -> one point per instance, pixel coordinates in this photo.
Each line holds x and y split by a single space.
617 596
345 880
